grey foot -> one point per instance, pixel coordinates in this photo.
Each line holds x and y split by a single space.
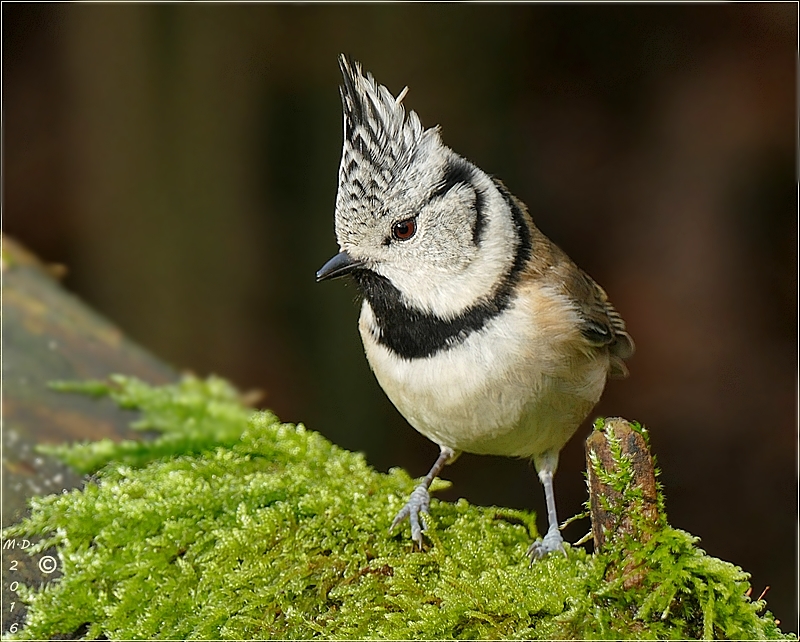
417 503
552 542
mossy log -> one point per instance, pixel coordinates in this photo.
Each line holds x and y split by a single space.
48 333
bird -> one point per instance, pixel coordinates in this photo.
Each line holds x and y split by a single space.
485 335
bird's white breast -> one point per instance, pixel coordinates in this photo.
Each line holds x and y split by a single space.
517 387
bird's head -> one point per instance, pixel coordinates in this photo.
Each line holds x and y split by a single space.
412 212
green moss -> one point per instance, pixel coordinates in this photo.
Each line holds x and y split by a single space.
234 525
192 417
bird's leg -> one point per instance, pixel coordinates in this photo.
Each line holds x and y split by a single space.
420 498
552 541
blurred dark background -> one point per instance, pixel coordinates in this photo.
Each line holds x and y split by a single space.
181 161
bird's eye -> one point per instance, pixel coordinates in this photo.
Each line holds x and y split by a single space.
404 230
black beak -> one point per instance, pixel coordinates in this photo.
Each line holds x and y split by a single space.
339 265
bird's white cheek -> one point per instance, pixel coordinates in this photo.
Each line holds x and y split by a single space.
450 273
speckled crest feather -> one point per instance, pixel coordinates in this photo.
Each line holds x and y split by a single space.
380 139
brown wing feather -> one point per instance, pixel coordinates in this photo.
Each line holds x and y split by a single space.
601 325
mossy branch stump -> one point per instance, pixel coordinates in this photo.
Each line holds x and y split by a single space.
623 496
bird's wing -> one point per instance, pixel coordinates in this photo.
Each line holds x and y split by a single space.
601 324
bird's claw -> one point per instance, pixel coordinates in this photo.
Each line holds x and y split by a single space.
418 503
552 542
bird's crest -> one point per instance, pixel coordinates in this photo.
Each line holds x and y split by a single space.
381 139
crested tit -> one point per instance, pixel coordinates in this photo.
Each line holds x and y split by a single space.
483 333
